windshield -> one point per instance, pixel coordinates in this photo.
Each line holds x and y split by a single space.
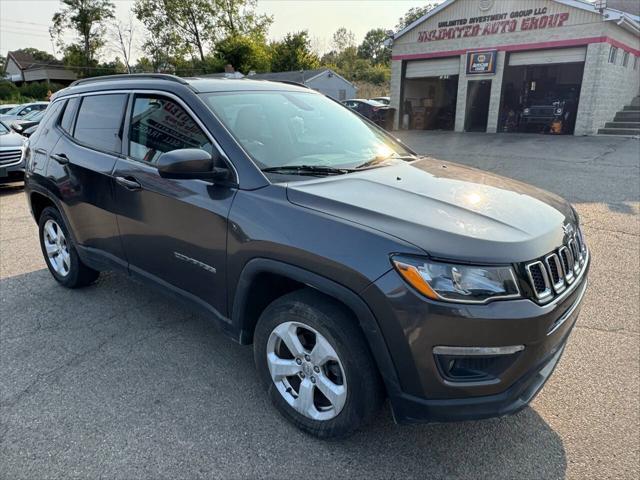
14 110
279 129
34 115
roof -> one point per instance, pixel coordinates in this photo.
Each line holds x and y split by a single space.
26 61
173 83
622 19
299 76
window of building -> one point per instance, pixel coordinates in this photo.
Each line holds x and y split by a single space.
625 59
99 121
613 53
158 125
66 123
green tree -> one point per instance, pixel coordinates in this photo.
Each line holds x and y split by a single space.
88 18
375 47
343 39
413 14
244 53
293 53
191 23
239 17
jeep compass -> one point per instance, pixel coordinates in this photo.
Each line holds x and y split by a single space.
357 269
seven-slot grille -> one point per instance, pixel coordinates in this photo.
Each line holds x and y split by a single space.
10 156
559 269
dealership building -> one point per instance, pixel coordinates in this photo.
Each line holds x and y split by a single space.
559 66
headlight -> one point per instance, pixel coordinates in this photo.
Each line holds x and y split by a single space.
558 111
457 283
526 111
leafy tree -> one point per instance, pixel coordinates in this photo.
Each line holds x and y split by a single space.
413 14
238 17
188 22
8 90
293 53
375 47
244 53
343 39
88 19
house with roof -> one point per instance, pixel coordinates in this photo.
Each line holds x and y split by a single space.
21 67
323 80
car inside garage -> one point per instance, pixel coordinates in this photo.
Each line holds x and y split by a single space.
541 91
430 92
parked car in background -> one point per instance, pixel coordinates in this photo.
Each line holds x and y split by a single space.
11 158
377 112
20 111
356 268
6 107
27 132
382 100
29 120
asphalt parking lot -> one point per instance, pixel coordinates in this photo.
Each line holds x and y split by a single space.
115 381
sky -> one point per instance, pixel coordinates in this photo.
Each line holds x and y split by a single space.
25 23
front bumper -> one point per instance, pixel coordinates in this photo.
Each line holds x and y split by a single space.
12 168
413 325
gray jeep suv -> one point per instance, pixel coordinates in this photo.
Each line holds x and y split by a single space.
356 268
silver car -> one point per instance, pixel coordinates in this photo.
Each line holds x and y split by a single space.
11 154
16 113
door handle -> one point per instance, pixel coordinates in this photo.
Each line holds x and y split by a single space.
129 183
61 158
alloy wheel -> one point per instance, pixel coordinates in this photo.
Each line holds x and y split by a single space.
306 370
57 248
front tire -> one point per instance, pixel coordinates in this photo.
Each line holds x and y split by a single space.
313 360
59 252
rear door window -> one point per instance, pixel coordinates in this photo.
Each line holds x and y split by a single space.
99 121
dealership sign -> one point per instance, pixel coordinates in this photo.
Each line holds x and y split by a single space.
517 21
481 62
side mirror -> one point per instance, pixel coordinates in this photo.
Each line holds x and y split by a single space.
189 163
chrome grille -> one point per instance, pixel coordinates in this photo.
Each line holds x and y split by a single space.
10 156
559 269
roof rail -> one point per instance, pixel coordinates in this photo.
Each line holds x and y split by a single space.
131 76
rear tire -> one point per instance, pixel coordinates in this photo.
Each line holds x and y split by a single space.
60 253
337 362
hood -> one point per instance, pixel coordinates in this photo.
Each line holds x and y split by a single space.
11 140
448 210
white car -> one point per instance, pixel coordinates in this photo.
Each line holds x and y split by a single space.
4 108
19 111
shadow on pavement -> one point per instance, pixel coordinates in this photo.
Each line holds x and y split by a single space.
115 380
11 187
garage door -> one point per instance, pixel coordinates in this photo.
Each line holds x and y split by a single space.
433 68
542 57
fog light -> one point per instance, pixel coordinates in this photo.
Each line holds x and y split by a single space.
475 364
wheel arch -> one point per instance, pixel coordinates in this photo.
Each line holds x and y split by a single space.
39 202
249 302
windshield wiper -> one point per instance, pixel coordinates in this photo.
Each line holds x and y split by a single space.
380 160
307 169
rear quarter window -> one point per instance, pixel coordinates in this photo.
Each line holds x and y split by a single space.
66 122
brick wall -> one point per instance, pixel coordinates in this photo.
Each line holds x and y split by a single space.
606 87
